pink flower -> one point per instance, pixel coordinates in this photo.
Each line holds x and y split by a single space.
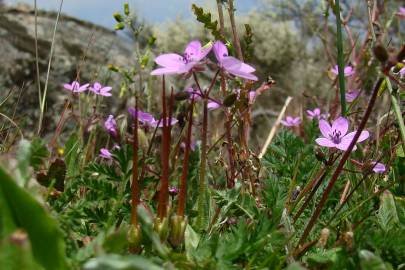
378 167
348 71
172 63
104 153
336 135
316 113
173 191
101 90
231 64
143 117
111 125
252 97
172 122
352 95
75 87
212 105
291 121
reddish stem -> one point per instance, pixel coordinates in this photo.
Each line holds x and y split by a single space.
183 185
135 190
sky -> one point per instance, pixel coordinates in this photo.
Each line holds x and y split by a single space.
153 11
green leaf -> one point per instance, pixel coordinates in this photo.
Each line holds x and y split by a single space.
206 19
370 261
191 240
26 213
387 215
117 262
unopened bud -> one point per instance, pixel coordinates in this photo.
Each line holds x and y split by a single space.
177 228
113 68
380 53
126 9
181 96
119 26
118 17
230 99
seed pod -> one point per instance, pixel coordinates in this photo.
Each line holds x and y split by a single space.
162 228
118 17
182 96
230 99
380 53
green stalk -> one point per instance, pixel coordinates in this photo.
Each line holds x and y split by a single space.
397 112
340 59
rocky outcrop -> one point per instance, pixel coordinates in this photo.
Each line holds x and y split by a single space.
79 45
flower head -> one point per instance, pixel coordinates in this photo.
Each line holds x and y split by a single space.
231 64
104 153
111 125
336 135
291 121
212 105
173 191
172 63
352 95
101 90
315 114
348 70
75 87
143 117
378 167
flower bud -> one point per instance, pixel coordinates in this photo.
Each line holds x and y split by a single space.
118 17
134 237
380 53
230 99
178 226
113 68
126 9
320 156
183 95
162 228
119 26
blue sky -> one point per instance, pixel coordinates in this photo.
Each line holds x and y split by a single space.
100 11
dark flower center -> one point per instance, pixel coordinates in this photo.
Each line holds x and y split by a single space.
187 57
336 137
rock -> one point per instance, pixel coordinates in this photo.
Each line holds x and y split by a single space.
75 40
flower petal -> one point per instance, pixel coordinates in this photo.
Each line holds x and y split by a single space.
341 124
325 142
325 128
220 50
169 60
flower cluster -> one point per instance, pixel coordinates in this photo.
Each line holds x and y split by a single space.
97 88
191 60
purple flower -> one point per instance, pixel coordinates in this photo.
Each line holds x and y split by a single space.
231 64
378 167
291 121
75 87
143 117
111 125
336 135
316 113
173 191
172 122
172 63
101 90
104 153
352 95
348 71
252 97
212 105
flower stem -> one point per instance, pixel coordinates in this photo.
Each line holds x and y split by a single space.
183 184
340 59
339 167
397 111
135 184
